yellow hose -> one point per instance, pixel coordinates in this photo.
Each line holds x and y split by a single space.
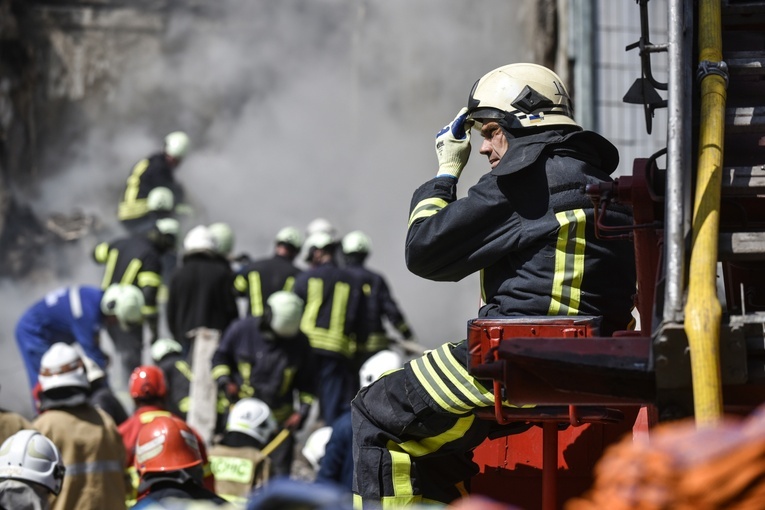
703 311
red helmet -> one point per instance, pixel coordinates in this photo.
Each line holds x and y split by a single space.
166 444
147 381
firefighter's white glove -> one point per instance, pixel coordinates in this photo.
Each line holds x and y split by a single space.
453 146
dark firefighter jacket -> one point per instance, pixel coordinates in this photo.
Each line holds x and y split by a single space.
380 305
261 278
201 294
266 368
147 174
335 314
132 260
528 227
178 375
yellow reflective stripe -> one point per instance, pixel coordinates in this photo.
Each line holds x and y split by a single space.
401 473
256 294
569 263
101 252
232 469
289 283
326 340
376 342
131 273
240 283
149 279
150 415
111 262
425 208
219 371
432 444
340 298
437 389
287 377
131 206
332 339
464 382
149 310
306 398
183 405
184 368
367 289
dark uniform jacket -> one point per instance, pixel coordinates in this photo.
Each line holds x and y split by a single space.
266 368
335 317
201 294
528 227
380 304
178 375
261 278
147 174
132 260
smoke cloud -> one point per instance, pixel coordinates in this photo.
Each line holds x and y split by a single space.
296 110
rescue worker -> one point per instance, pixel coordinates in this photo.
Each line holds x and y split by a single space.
10 423
269 358
237 462
380 303
87 437
153 172
528 227
223 238
169 462
101 394
148 390
168 356
334 321
337 458
261 278
137 260
200 306
31 471
75 314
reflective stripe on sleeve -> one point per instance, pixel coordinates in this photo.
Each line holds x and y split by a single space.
75 303
566 291
426 208
131 272
149 279
433 444
256 294
98 466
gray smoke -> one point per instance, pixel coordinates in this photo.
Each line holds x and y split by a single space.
297 110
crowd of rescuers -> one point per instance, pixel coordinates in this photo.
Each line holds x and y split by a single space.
256 343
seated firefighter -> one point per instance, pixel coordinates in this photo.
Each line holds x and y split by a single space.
528 227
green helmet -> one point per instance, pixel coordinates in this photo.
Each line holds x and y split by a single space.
356 242
125 302
160 199
223 237
177 144
290 236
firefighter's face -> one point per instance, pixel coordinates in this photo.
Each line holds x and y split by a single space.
494 143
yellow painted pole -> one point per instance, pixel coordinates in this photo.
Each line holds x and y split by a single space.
703 310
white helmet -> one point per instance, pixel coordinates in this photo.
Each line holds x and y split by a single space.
30 456
125 302
286 312
252 417
62 367
160 199
177 144
164 346
223 237
92 371
198 239
290 236
321 225
318 240
168 226
524 95
316 445
379 364
356 242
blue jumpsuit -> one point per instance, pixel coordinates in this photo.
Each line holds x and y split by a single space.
69 315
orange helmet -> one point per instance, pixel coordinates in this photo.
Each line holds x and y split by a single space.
147 381
166 444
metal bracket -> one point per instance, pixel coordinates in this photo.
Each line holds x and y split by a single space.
707 67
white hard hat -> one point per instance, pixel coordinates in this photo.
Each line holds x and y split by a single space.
379 364
286 312
223 237
168 226
164 346
198 239
30 456
160 199
177 144
125 302
318 240
524 95
321 225
92 371
62 367
356 242
316 445
252 417
290 236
